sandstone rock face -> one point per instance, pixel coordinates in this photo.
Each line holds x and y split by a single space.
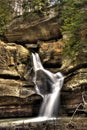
42 30
75 87
75 92
51 53
16 97
13 59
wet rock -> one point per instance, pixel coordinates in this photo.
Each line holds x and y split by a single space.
57 124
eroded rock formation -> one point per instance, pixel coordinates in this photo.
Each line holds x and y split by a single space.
43 30
18 97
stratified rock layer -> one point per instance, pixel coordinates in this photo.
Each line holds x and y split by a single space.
17 95
51 53
74 94
43 30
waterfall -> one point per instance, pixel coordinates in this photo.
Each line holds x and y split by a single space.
48 85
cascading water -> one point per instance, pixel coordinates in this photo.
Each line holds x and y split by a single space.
48 85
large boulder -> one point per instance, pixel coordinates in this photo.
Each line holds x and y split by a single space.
43 29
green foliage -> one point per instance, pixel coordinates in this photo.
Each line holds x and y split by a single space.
74 19
5 14
36 6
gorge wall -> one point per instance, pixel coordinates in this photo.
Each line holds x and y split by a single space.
18 97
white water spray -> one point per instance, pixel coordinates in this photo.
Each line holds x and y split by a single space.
48 85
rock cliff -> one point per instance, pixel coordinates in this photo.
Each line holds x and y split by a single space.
18 97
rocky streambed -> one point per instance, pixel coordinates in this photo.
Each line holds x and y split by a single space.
54 124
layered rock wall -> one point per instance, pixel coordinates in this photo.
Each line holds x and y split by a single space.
18 97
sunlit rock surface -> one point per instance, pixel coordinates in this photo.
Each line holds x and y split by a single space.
17 95
51 53
13 59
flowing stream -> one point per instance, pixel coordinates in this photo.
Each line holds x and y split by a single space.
48 85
